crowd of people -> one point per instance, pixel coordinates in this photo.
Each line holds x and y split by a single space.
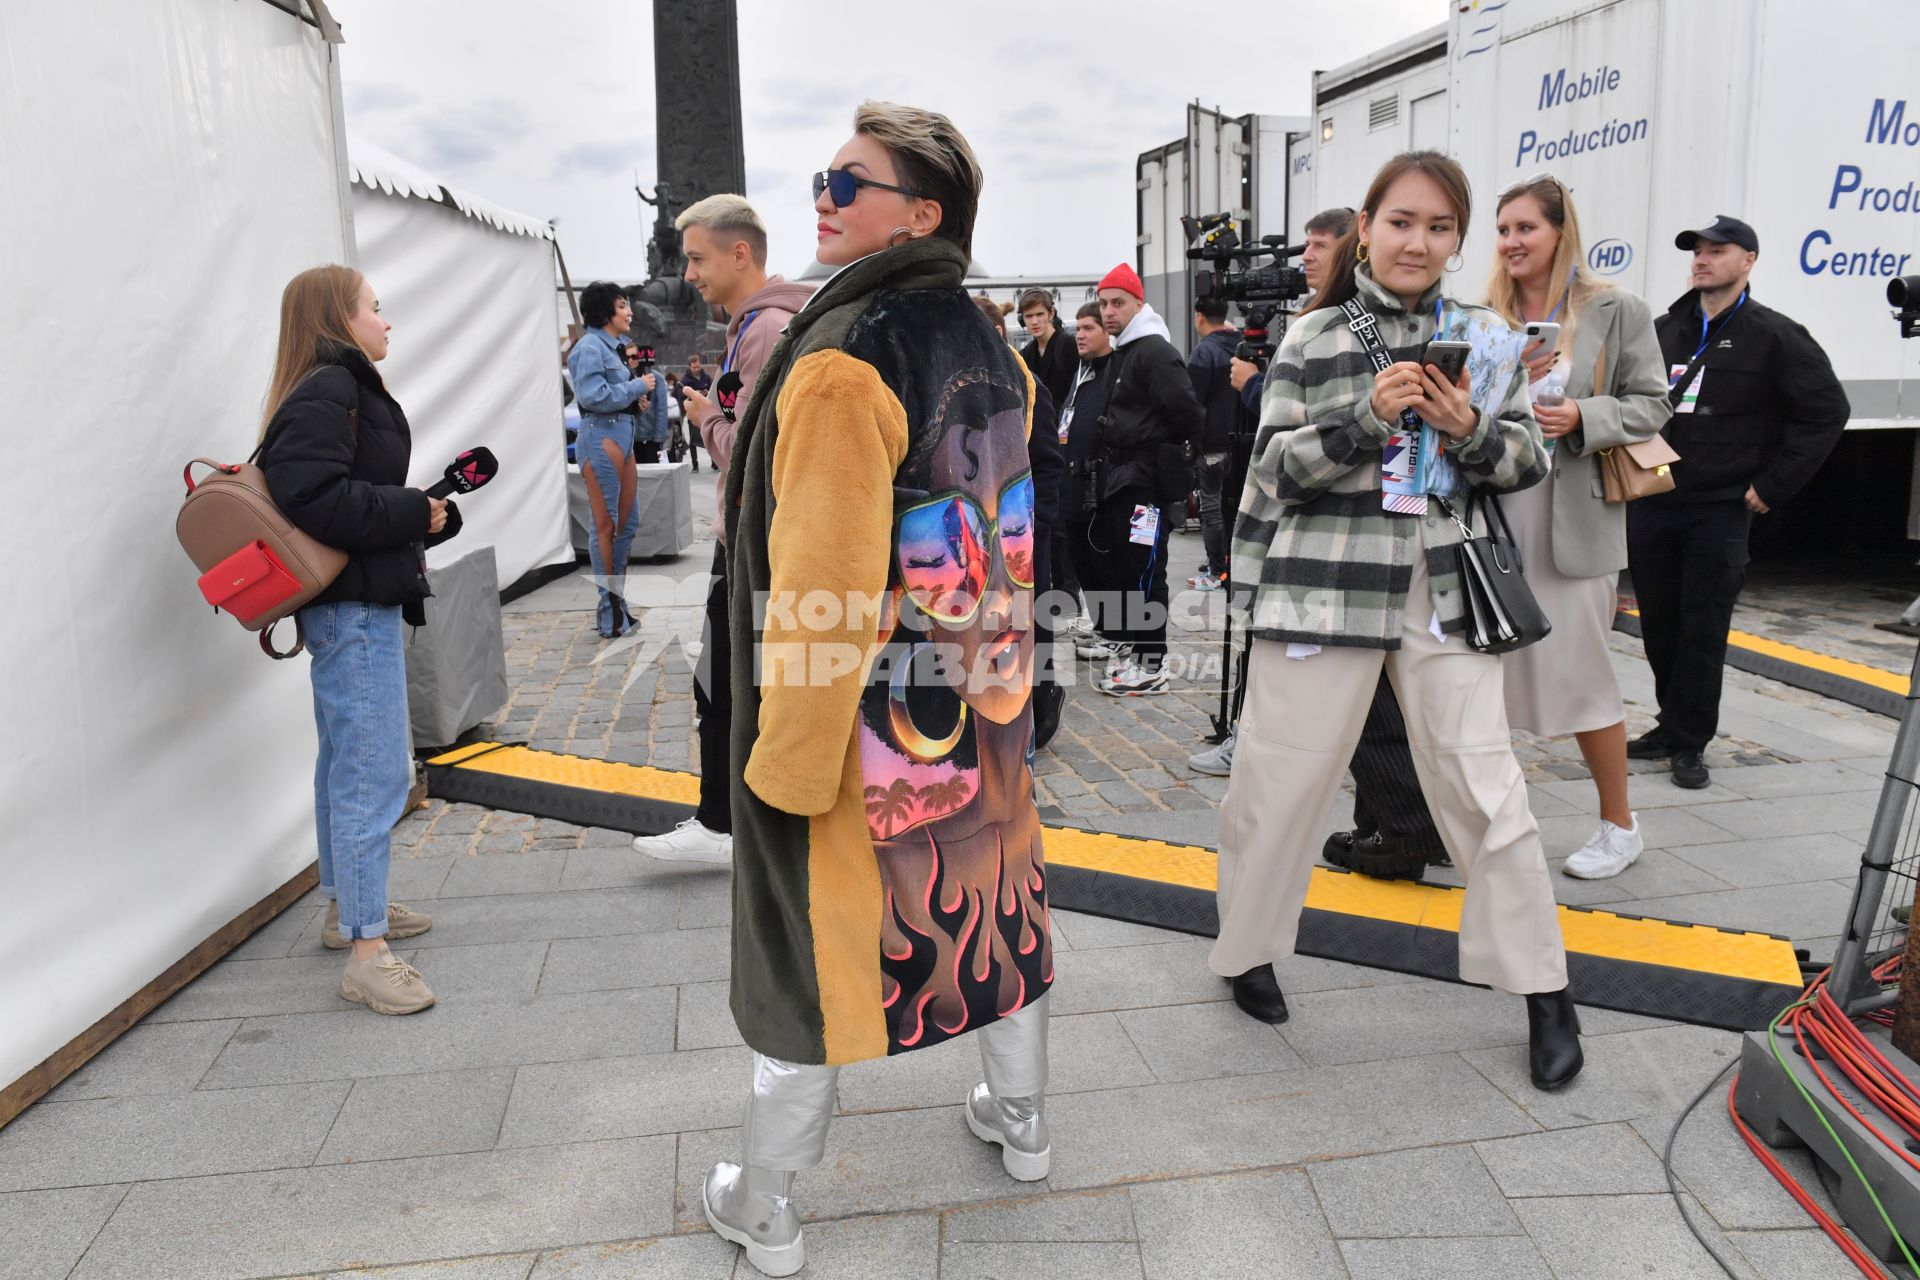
880 447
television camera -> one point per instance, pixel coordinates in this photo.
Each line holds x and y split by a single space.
1239 276
1903 292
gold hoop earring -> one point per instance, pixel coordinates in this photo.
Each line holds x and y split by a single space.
1453 265
894 241
918 744
1360 252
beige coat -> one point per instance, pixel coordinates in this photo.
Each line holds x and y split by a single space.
1589 536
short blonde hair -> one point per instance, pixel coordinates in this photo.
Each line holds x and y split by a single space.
728 219
933 159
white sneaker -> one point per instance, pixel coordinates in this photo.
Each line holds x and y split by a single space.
1216 760
1100 649
1081 628
1134 680
1607 852
691 841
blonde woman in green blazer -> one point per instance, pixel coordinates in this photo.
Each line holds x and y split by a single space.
1572 541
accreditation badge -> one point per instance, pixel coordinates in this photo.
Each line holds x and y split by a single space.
1691 396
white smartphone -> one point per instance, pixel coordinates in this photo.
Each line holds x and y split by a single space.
1543 331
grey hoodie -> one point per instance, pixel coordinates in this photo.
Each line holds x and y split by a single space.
751 335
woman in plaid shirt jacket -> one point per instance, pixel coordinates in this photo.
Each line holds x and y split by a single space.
1341 585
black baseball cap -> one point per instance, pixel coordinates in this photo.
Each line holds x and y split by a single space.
1725 230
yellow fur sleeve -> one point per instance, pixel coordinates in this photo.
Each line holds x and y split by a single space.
843 435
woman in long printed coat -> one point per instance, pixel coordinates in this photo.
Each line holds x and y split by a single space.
889 887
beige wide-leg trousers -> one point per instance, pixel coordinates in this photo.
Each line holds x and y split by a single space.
1297 732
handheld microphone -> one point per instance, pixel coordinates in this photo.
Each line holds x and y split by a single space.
726 393
466 473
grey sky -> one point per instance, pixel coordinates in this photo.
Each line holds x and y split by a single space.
548 108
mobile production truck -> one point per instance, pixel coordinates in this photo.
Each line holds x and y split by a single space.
1801 119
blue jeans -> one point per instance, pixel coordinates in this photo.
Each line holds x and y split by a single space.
365 769
610 576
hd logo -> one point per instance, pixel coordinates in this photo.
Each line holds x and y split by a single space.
1610 257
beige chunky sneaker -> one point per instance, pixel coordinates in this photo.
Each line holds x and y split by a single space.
385 984
402 922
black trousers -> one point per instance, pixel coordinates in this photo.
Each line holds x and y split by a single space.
713 700
1386 792
1689 561
1132 603
1066 571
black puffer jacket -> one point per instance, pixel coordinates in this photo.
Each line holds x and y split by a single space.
1152 416
344 482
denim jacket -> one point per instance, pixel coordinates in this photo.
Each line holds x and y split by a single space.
602 387
652 426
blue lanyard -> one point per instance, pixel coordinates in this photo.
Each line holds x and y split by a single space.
1705 324
734 350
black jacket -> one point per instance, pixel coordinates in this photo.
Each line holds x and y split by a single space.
1210 368
1055 369
1089 402
1049 478
345 483
1152 418
1770 409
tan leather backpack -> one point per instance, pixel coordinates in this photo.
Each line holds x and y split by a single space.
254 562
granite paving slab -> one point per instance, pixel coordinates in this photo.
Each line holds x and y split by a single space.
101 1140
240 1226
1266 1224
331 1046
435 1113
45 1232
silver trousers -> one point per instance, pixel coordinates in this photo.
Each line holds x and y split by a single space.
792 1103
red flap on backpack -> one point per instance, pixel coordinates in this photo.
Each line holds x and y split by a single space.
249 582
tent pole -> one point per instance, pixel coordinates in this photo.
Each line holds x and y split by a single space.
573 303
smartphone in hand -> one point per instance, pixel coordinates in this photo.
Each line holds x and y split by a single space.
1450 358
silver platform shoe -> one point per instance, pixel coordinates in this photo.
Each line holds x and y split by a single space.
753 1208
1018 1125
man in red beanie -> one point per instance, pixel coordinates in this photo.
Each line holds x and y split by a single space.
1148 436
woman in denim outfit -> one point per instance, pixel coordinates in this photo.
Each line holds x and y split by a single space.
609 396
336 449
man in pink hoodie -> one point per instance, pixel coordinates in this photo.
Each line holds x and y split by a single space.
726 247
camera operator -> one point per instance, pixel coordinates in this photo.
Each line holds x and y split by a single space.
1212 386
1152 425
1324 229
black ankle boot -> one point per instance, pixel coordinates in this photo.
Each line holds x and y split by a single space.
1258 994
1553 1039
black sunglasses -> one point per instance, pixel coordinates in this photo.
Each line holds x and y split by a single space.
842 185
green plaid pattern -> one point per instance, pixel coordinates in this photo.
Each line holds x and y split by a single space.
1325 563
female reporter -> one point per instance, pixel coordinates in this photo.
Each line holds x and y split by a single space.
889 890
335 449
1601 386
1347 577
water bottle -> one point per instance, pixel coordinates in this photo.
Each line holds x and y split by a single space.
1552 390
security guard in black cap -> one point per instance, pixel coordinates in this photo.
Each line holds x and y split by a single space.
1756 411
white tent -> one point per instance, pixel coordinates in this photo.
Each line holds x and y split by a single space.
185 153
475 354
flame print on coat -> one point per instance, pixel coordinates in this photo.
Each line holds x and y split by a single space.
945 724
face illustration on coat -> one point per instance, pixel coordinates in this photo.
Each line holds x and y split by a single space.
964 553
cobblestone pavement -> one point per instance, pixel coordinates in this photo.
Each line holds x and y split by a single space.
552 1115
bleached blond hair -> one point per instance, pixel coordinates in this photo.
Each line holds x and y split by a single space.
729 219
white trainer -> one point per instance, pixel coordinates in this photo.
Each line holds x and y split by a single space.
1100 650
691 841
1079 629
1607 852
1134 681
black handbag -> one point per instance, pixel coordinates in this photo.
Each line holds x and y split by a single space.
1501 613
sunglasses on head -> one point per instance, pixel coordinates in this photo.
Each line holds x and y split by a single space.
842 185
1544 175
945 547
